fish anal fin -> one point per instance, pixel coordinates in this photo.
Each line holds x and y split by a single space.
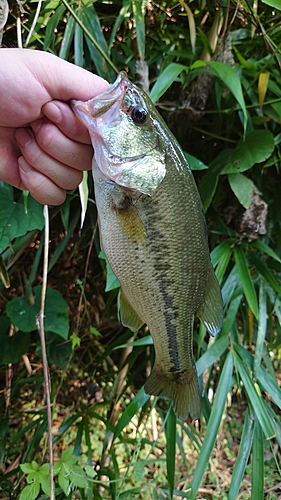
211 311
181 389
128 315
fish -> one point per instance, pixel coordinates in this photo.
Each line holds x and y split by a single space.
153 233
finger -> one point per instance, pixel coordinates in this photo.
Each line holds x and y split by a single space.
62 175
57 145
40 187
62 115
9 153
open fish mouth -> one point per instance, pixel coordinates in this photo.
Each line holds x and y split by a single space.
103 102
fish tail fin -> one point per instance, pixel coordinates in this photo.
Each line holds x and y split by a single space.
182 388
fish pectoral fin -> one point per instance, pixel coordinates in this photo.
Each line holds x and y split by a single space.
128 315
182 390
211 311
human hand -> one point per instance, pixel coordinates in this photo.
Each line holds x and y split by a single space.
43 147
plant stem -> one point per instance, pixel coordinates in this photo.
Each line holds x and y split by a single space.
40 326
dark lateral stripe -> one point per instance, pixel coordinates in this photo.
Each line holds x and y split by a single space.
158 247
171 328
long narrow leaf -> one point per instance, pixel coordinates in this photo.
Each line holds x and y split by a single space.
78 45
246 280
212 354
140 26
265 379
243 455
266 249
213 424
165 80
133 407
170 431
231 315
67 38
120 18
230 78
255 399
261 329
264 271
258 465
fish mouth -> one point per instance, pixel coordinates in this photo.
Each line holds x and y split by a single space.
101 103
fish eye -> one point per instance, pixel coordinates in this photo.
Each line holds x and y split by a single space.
139 115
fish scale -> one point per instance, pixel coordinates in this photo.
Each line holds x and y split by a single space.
153 233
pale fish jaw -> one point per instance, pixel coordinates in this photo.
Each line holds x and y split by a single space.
144 174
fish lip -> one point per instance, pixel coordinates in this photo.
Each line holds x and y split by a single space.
99 104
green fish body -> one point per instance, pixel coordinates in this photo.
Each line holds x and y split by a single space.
153 232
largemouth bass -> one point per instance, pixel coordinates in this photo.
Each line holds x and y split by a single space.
153 232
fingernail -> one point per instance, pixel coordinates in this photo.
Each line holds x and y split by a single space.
24 137
24 165
52 111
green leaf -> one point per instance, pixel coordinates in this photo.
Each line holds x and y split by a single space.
265 272
194 163
133 407
68 457
265 379
124 12
56 311
91 22
63 481
214 352
111 280
266 249
27 468
165 80
67 38
30 492
170 431
213 425
243 455
261 329
78 45
255 399
258 465
58 351
276 4
51 26
24 315
147 340
12 347
15 220
78 476
242 187
246 279
230 78
207 186
139 14
256 148
91 472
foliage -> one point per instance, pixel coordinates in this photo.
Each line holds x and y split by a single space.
215 76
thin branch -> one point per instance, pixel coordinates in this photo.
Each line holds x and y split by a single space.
34 23
40 326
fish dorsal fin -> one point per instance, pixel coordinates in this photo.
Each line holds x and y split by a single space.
128 315
211 311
